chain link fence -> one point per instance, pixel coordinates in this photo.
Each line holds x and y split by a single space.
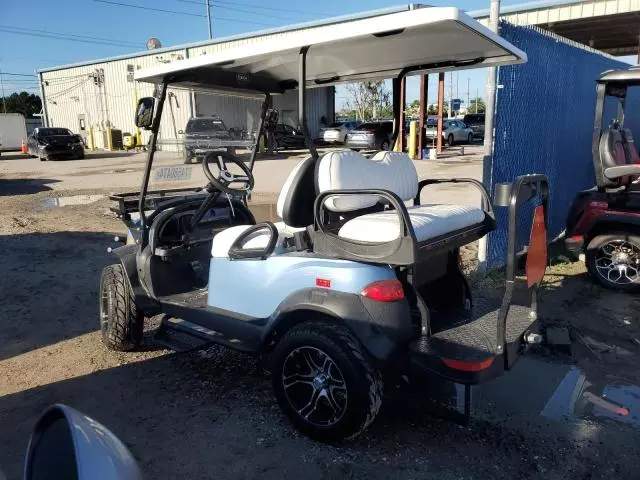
544 123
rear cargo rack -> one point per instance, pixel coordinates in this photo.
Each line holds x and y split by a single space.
128 203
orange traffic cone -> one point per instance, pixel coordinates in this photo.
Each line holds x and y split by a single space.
24 146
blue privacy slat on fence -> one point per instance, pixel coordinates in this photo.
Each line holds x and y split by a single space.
544 123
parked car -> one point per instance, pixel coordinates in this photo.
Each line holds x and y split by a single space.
475 121
337 133
370 136
452 131
55 143
201 136
288 137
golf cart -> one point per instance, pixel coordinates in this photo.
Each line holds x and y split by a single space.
354 282
604 222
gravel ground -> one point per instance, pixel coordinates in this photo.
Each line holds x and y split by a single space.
211 414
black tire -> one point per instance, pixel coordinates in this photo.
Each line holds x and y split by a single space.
595 252
121 323
80 156
470 138
361 380
186 157
384 145
42 159
450 141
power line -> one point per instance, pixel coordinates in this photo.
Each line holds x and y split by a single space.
217 6
143 7
176 12
253 5
65 36
19 74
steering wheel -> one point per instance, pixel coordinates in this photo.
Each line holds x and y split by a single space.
225 178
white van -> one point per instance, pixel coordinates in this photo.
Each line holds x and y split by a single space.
13 129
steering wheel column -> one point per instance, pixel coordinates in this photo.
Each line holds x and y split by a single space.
223 181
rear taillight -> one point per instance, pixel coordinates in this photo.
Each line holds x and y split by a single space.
384 291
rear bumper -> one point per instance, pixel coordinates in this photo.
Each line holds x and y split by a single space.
368 144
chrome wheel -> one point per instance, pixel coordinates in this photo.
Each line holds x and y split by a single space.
314 386
618 262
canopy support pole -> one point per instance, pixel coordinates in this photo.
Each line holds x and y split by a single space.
160 95
302 102
422 112
263 113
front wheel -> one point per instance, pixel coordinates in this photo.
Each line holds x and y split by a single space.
121 323
325 382
470 138
384 145
613 260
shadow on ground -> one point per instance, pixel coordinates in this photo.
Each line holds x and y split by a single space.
25 186
49 287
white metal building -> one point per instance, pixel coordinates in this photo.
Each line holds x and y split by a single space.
102 94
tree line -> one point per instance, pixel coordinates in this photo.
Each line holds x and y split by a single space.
27 104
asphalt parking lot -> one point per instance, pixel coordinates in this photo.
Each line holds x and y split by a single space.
211 414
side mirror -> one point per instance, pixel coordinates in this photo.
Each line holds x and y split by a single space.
73 445
144 112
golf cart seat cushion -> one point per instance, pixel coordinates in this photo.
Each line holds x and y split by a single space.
295 202
345 169
634 158
429 222
612 154
223 240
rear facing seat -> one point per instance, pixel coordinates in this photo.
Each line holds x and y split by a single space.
618 159
395 172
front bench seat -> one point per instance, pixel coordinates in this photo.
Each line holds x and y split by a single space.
393 171
294 206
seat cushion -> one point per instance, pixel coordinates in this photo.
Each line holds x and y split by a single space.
223 240
429 221
344 170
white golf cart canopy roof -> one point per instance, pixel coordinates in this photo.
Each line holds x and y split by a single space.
376 47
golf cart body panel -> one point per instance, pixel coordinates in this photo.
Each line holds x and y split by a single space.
352 275
604 222
281 275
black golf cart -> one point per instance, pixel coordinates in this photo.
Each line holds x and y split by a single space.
604 222
359 278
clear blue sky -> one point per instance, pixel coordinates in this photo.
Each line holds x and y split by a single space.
25 53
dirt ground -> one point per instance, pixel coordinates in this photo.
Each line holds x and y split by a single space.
211 414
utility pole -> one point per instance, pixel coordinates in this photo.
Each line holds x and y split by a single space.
208 7
477 96
4 100
468 90
490 107
450 95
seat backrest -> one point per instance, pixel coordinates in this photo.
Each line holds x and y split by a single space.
611 154
295 203
630 147
345 169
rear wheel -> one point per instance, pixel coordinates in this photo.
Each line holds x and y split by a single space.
470 138
325 382
121 323
385 145
613 260
450 141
